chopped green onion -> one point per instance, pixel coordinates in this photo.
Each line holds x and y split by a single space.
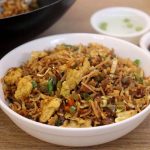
130 25
139 28
137 62
72 109
34 84
52 83
58 122
126 20
50 86
103 25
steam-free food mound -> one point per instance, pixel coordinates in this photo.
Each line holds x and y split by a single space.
77 86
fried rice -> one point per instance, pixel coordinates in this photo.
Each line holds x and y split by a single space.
15 7
77 86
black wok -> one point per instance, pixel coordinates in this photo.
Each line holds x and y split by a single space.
18 29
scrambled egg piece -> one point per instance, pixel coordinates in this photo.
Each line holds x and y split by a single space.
96 50
24 88
125 115
62 68
77 123
49 107
73 78
35 55
53 120
94 53
13 76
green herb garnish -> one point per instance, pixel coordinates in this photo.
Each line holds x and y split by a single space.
103 25
72 109
50 86
34 84
126 20
138 28
137 62
58 122
130 25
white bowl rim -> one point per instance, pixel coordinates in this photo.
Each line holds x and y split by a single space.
143 41
138 12
46 126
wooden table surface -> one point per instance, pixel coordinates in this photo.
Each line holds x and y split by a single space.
77 20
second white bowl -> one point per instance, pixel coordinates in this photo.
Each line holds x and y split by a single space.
145 42
120 19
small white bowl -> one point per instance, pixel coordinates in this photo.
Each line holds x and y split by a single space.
140 16
74 136
145 41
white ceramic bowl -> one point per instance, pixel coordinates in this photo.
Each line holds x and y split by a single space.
145 41
74 136
134 37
